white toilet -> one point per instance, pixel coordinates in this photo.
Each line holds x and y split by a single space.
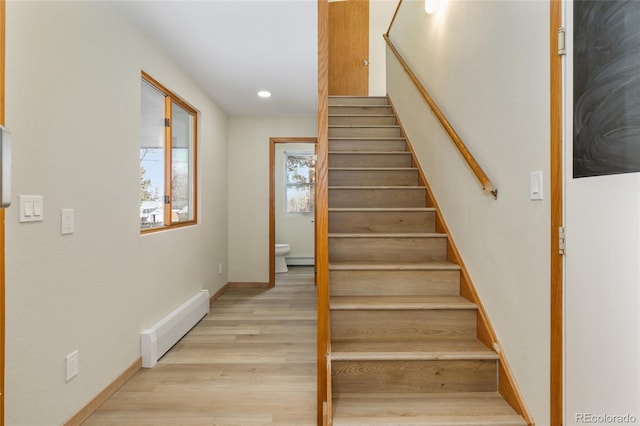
281 251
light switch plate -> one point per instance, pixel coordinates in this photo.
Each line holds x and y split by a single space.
72 365
31 208
535 185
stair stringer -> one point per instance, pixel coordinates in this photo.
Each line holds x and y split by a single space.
507 385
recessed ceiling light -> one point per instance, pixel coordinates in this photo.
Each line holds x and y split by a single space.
264 94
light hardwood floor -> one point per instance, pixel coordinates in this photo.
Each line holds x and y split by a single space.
251 361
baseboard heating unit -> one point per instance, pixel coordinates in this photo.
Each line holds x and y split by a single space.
160 337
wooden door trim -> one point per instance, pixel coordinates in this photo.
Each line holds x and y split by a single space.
272 199
556 177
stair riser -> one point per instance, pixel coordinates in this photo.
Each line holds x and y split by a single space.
413 376
365 132
358 120
382 110
375 222
377 197
373 177
387 249
358 100
372 325
337 144
370 160
394 283
434 409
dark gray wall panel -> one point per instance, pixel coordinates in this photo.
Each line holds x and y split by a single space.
606 88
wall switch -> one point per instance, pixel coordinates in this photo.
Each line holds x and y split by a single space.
67 221
535 185
31 208
72 365
220 268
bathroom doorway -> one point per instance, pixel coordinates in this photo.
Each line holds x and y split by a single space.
291 201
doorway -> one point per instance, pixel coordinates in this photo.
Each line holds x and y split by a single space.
291 221
601 212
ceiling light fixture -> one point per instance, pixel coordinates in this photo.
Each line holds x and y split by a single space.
264 94
431 6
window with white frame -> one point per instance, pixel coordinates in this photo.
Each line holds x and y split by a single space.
299 182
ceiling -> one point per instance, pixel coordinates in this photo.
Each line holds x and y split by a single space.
234 48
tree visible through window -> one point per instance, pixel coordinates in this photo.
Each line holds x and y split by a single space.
167 158
299 181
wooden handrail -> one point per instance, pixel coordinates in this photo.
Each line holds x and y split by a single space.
393 19
457 141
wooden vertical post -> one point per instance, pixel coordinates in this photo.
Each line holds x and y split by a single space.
322 207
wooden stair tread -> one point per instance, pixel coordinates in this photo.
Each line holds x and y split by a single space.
347 97
424 349
379 266
364 114
372 168
389 235
368 138
399 302
363 125
426 409
360 105
382 209
370 152
414 356
377 187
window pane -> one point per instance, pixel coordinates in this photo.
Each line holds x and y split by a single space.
167 158
182 165
300 179
151 158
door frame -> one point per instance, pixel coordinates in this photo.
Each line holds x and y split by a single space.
556 381
272 199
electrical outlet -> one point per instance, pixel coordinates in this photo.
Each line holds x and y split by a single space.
72 365
67 221
220 268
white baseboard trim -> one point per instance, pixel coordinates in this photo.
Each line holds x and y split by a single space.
160 337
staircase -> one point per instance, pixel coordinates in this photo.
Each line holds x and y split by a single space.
404 346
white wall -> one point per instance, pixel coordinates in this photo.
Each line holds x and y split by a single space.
249 189
380 14
73 105
486 65
602 291
602 297
295 229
